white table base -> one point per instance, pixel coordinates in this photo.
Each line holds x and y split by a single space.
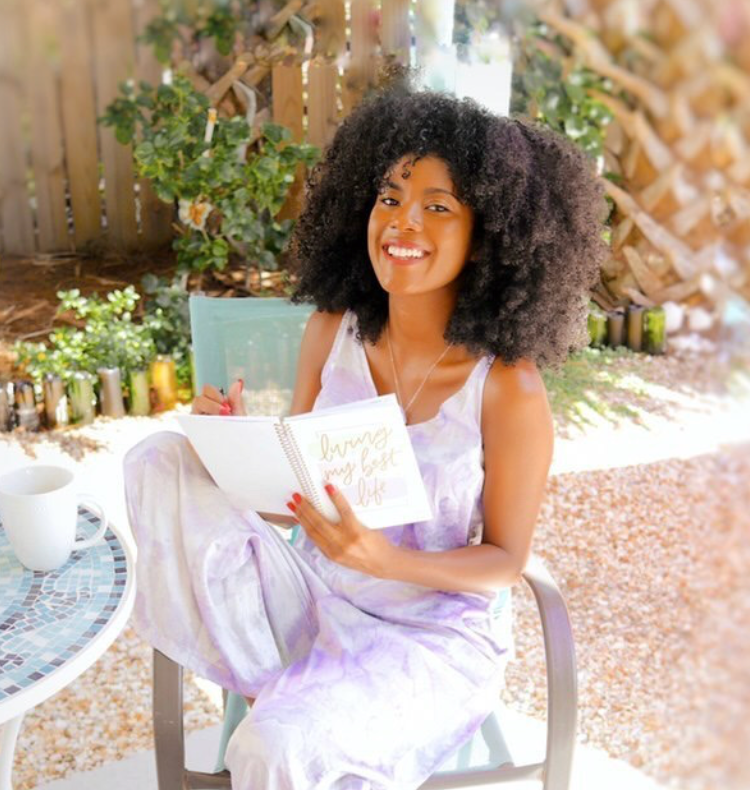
7 750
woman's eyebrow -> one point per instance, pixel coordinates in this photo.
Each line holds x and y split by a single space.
428 191
432 190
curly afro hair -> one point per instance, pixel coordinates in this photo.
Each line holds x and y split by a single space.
538 221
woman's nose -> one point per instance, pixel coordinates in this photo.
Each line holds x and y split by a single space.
408 217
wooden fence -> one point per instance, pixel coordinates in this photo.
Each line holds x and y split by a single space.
66 182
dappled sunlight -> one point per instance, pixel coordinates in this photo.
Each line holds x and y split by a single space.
612 390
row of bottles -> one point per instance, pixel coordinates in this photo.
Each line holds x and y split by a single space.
639 328
146 391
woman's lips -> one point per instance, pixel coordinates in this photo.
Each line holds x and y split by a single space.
403 261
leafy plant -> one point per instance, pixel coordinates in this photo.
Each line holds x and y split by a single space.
228 198
206 19
108 338
474 19
221 25
558 94
167 319
160 32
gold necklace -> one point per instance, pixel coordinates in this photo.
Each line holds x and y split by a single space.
395 377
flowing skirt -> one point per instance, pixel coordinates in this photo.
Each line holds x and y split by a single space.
360 683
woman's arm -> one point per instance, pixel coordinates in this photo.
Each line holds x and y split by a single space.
518 436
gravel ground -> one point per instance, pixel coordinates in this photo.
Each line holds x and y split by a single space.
654 564
104 715
653 560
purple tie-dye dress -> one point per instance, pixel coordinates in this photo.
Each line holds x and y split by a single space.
361 683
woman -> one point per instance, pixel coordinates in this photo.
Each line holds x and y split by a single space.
449 253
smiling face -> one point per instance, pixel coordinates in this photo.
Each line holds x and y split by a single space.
419 234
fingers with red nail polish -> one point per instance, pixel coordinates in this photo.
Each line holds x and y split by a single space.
234 397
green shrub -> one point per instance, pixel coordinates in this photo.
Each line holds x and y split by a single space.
167 320
229 192
109 338
560 99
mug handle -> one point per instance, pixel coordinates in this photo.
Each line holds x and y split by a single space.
92 504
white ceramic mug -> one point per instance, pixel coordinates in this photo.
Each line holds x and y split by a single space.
39 511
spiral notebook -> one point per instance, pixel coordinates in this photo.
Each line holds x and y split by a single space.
362 447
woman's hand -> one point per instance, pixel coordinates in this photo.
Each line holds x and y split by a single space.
213 401
349 542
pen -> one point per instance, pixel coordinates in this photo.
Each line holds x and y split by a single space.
226 408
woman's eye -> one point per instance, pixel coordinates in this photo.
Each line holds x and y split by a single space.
437 208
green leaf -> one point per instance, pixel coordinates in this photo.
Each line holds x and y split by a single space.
124 134
575 93
150 283
574 127
276 133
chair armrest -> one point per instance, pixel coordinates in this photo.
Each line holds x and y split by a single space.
562 689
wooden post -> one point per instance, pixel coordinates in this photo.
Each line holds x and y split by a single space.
46 129
360 73
288 109
15 208
114 62
322 112
156 215
330 32
395 34
79 122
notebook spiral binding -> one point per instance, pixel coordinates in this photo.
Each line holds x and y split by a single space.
289 446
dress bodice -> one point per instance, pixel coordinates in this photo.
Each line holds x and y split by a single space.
448 447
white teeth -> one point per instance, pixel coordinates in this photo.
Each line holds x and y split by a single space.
405 252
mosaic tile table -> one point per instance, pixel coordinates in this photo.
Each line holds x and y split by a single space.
55 625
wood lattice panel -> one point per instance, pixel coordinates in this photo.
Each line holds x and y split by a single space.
680 141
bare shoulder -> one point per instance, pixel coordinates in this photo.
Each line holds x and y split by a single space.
320 332
514 380
317 341
512 392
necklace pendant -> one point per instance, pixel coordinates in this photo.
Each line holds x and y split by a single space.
395 375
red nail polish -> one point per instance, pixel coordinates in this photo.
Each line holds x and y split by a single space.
225 409
291 507
329 488
297 498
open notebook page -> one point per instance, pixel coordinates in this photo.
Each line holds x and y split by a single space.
245 458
